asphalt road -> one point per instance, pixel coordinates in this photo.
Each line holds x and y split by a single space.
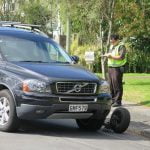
64 135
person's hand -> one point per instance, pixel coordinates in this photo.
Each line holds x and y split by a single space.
107 55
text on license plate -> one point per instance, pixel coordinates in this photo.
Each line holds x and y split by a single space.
78 107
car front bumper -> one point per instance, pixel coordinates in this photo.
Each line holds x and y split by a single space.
31 107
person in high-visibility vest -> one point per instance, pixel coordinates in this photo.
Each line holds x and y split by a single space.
116 62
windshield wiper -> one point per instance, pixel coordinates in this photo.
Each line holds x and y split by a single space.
44 61
33 61
66 62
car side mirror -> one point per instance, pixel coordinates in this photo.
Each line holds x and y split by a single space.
75 59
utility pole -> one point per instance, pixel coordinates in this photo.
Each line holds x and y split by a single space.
68 35
51 13
102 51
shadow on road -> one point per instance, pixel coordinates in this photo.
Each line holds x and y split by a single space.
68 129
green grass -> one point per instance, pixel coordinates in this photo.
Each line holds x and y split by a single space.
137 88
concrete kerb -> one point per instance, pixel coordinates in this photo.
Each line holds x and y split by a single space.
139 131
140 119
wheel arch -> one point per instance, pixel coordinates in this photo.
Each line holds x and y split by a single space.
4 86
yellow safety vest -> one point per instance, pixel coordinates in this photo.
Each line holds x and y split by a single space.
116 63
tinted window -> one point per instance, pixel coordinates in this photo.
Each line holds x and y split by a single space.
20 49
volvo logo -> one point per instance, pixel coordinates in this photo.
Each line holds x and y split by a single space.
77 88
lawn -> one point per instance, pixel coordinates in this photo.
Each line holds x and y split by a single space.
137 88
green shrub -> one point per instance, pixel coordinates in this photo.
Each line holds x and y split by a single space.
79 50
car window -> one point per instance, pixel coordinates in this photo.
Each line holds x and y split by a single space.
20 49
54 53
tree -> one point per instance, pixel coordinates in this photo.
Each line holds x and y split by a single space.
107 14
92 22
36 14
132 22
8 10
100 18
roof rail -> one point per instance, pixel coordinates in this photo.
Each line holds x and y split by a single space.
23 26
32 28
31 25
11 23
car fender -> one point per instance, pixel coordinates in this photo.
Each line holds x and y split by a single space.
7 87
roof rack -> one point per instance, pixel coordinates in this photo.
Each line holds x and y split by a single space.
22 26
31 25
32 28
11 23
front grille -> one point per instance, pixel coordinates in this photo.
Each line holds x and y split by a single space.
76 87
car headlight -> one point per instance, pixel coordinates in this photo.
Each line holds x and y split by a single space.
104 87
33 85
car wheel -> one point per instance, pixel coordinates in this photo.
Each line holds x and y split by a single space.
90 124
8 118
120 120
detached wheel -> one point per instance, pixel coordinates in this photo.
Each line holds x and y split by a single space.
89 124
120 120
8 118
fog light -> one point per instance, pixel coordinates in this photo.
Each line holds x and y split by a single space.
40 111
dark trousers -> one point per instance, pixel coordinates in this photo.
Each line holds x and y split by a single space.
115 80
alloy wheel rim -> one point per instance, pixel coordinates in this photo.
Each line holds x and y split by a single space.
4 110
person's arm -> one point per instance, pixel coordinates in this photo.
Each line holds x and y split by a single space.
109 55
122 53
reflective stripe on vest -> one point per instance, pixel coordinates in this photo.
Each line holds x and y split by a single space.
116 63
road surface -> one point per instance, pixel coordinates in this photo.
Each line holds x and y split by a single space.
65 135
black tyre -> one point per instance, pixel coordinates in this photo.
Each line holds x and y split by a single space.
8 118
120 120
90 124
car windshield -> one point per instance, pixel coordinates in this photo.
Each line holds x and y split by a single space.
27 50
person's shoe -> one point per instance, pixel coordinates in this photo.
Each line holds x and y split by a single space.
116 105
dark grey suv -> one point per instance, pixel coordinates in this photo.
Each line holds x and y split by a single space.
39 80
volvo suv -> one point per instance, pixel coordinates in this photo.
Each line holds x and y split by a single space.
39 80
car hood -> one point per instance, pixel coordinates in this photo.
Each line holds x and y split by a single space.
55 71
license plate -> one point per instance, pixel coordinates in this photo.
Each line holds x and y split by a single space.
78 108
